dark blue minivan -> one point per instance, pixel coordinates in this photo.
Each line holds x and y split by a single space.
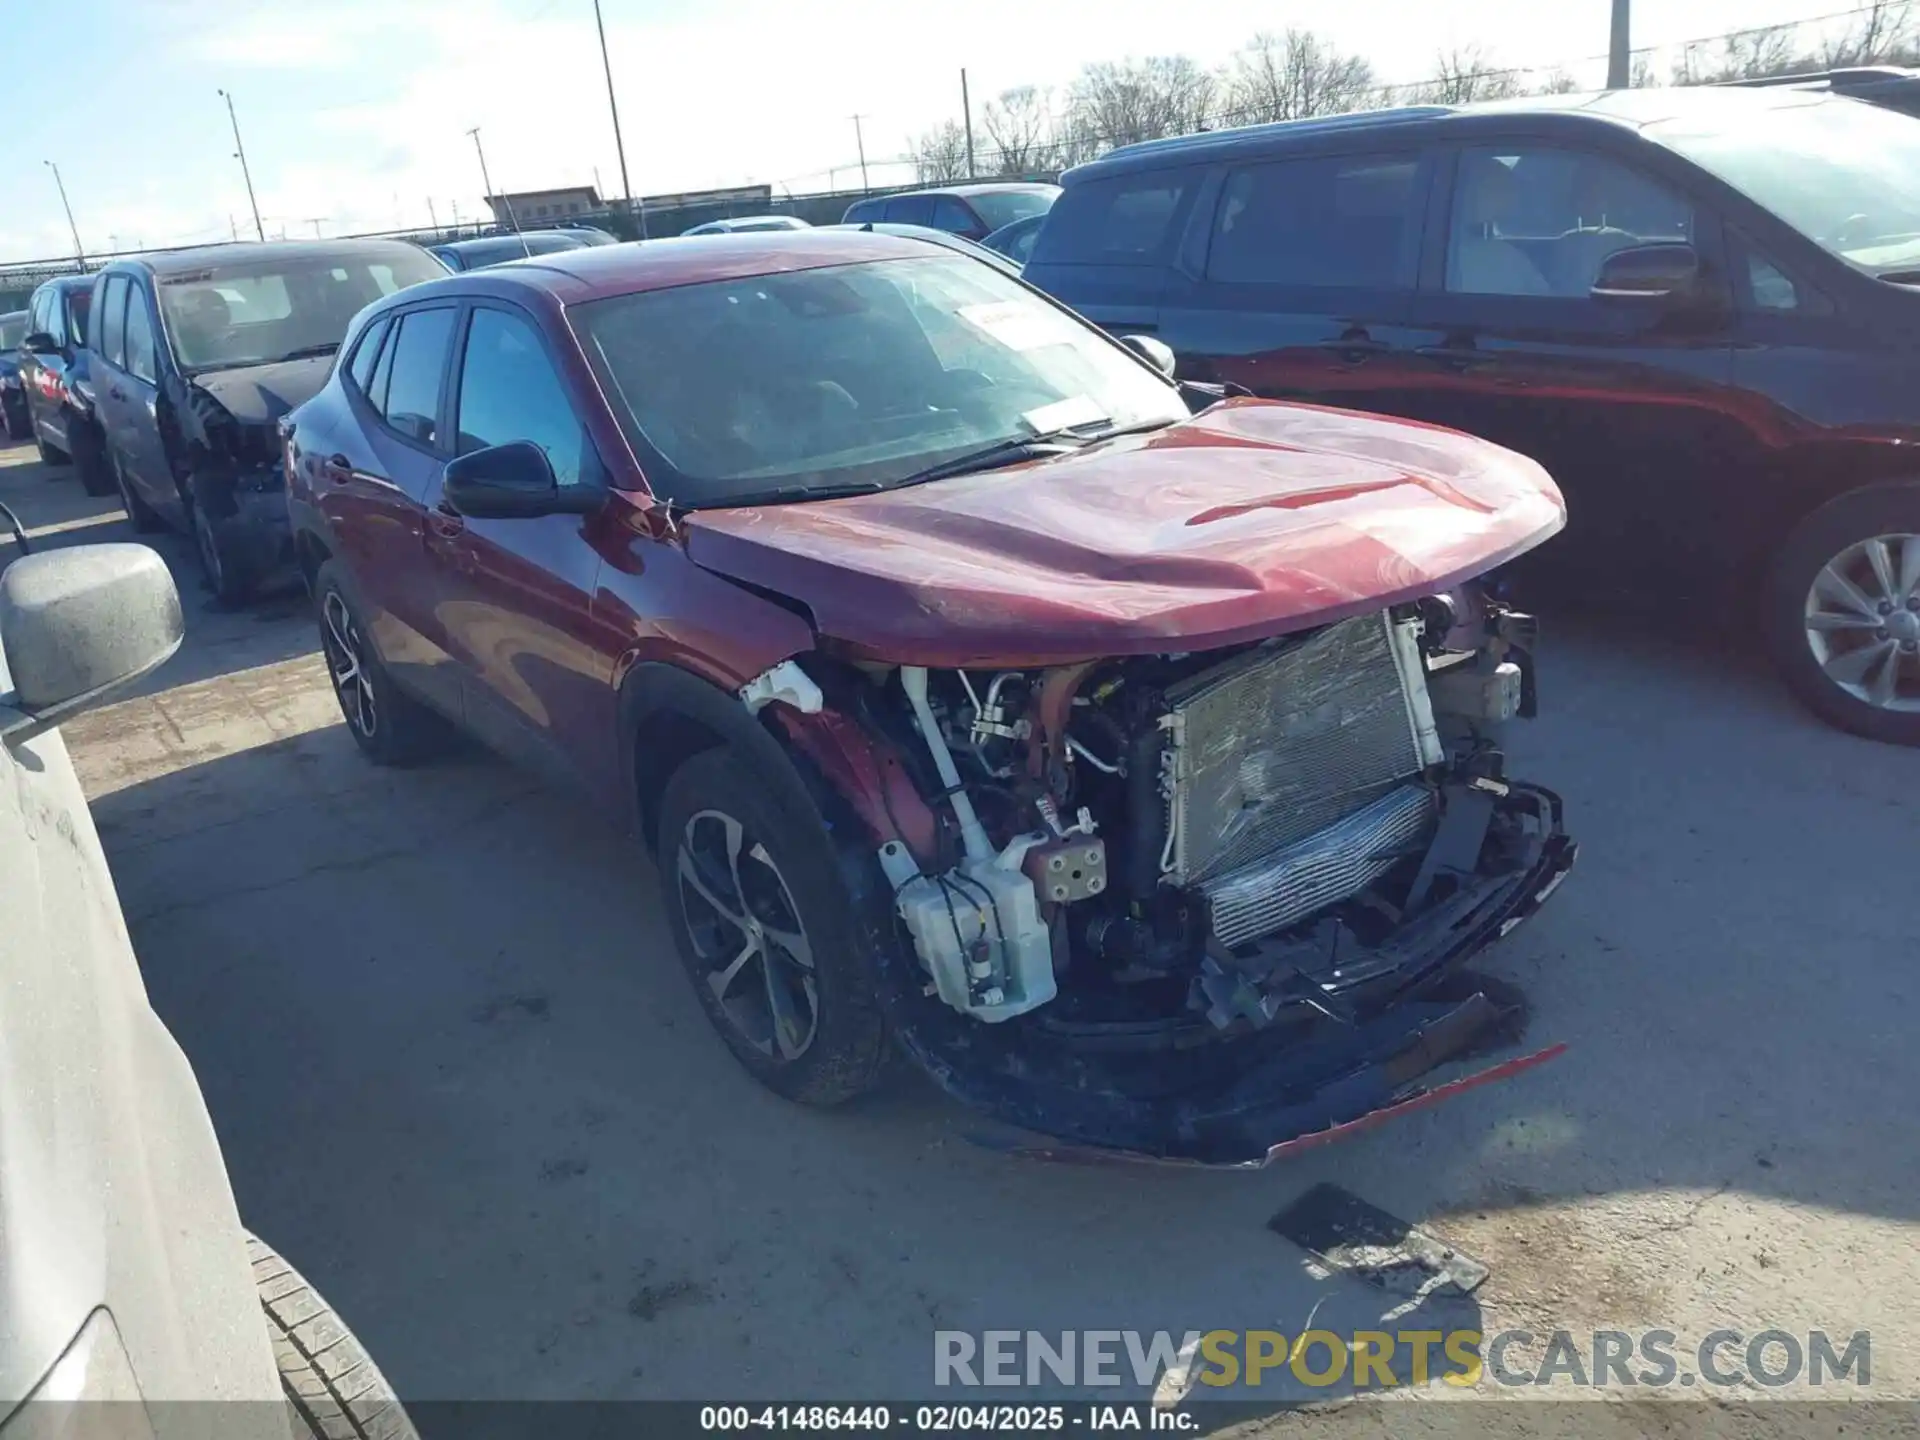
1699 309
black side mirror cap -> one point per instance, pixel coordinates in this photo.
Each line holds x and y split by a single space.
40 343
1668 271
1156 353
514 481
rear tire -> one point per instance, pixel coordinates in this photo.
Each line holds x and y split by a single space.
389 726
1844 603
333 1390
801 1012
90 461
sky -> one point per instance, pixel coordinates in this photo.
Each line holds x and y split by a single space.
355 113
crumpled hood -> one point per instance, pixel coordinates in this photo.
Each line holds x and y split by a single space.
1253 519
261 394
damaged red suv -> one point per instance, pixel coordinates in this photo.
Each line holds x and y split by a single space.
1124 752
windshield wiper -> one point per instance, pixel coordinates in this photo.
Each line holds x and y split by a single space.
781 494
1001 452
308 352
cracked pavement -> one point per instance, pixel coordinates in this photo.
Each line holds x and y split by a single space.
462 1082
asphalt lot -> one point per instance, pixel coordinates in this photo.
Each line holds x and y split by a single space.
462 1082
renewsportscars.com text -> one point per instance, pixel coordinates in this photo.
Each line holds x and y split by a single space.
1375 1359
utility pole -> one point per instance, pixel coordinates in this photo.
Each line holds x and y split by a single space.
619 145
79 252
233 227
1620 51
505 203
966 109
861 140
316 227
240 154
431 215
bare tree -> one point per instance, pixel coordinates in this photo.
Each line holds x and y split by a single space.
1642 76
1019 124
1121 103
1745 55
1556 82
1295 75
1884 31
940 154
1463 76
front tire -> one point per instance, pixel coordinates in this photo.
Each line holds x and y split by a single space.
764 924
389 726
225 573
50 454
1845 622
333 1390
90 461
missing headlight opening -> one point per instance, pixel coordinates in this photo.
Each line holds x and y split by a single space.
1161 877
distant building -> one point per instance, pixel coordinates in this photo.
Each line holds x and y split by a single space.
538 207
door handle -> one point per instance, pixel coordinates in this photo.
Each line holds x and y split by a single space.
445 523
117 393
337 468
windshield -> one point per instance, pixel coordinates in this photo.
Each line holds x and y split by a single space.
854 374
1003 207
1844 173
79 302
281 309
13 329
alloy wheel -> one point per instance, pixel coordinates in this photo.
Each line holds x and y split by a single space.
747 935
346 663
1863 621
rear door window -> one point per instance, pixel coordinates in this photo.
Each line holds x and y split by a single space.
113 327
910 210
410 400
360 368
1334 222
864 212
1123 220
950 215
139 337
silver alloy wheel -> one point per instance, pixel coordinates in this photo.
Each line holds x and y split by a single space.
748 935
340 638
1863 621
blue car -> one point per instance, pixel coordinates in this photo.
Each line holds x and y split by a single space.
13 398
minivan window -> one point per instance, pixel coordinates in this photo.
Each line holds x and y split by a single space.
864 375
910 210
1843 173
412 400
78 303
950 215
1538 220
284 308
56 318
139 337
113 324
13 329
1121 220
1003 207
1330 221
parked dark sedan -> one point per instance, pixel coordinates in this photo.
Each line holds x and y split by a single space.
53 367
1015 241
499 249
197 354
971 691
1699 309
14 419
975 211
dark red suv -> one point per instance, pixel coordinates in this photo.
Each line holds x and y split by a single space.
1132 767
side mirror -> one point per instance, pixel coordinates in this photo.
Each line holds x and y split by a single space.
1664 272
40 343
1155 352
514 481
76 624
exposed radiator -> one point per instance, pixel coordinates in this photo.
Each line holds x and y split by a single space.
1281 742
1318 871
